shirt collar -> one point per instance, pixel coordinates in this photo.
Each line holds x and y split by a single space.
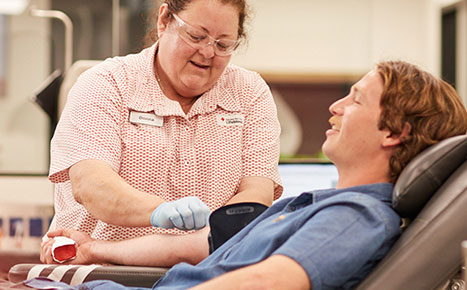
380 191
217 96
142 100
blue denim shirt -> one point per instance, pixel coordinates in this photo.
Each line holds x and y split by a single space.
336 235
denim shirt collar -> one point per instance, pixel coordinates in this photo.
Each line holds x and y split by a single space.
380 191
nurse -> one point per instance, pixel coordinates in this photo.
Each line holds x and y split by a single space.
150 143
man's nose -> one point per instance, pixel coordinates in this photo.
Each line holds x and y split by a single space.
336 108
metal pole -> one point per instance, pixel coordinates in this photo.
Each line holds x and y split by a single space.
464 255
68 31
115 27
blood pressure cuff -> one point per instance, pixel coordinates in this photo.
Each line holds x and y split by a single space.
226 221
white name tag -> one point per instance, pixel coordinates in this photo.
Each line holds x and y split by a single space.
230 120
150 119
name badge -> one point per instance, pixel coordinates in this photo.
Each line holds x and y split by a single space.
230 120
150 119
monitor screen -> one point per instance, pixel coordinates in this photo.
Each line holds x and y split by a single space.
300 177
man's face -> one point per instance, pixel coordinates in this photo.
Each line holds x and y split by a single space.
354 136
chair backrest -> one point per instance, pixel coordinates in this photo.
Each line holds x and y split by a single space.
70 78
432 189
426 173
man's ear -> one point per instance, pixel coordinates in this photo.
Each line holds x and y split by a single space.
392 139
162 19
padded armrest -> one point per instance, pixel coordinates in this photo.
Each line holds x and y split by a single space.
75 274
8 258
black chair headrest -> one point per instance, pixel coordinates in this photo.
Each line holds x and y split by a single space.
425 174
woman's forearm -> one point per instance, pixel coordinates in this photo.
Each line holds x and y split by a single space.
108 197
254 189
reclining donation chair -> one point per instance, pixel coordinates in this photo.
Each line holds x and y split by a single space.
431 194
432 191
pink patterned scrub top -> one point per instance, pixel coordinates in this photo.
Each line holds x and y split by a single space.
116 112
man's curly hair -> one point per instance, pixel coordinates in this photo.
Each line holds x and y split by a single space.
429 108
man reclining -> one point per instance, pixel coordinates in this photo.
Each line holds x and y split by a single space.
324 239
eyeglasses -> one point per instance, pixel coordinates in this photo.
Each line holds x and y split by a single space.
199 39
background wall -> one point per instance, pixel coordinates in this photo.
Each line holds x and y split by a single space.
347 37
340 36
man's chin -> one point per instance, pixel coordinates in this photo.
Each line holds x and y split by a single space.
324 149
327 150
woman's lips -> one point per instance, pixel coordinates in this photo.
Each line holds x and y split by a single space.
199 65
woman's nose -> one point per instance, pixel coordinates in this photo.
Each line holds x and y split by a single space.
208 50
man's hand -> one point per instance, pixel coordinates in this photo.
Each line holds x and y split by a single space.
83 244
188 213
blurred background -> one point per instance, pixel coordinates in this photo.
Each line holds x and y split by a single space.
309 52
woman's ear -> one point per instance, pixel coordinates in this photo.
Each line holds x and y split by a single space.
392 139
163 19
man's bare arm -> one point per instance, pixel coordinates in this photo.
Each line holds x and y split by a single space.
152 250
155 250
276 272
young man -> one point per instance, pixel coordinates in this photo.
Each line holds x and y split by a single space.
331 239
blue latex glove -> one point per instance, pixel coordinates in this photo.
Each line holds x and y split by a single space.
188 213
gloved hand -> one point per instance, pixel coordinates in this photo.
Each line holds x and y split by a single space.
188 213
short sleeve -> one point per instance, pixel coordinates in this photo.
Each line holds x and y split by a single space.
337 242
89 127
261 137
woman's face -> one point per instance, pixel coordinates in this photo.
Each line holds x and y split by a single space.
190 71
